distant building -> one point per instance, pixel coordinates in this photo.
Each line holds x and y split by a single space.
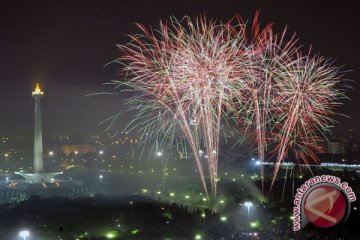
355 147
335 148
78 149
185 155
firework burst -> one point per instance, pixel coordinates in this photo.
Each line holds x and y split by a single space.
191 74
309 91
184 74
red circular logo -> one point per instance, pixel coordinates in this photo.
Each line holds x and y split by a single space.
325 206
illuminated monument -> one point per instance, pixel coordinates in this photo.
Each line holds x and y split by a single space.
39 175
38 146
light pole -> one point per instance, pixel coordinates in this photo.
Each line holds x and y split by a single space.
248 205
24 234
101 179
51 154
159 154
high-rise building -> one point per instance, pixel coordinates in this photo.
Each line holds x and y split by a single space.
335 148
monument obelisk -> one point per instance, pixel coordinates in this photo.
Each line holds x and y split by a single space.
38 175
38 144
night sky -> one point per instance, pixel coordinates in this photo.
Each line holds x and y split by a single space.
64 45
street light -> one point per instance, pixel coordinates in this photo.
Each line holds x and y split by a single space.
223 218
255 224
163 167
248 205
198 236
101 178
24 234
110 235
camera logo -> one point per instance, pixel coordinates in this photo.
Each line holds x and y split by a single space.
323 201
325 206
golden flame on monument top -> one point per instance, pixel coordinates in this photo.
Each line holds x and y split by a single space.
37 90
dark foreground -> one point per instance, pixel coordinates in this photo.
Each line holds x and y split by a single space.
136 217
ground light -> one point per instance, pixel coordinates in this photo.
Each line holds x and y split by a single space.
254 224
223 218
198 236
111 235
248 205
24 234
